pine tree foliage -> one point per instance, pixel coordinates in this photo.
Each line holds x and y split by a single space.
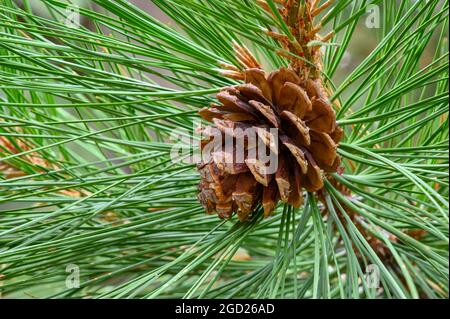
87 178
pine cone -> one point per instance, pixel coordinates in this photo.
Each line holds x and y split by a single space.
307 133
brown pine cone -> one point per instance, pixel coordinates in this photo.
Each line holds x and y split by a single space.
307 142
